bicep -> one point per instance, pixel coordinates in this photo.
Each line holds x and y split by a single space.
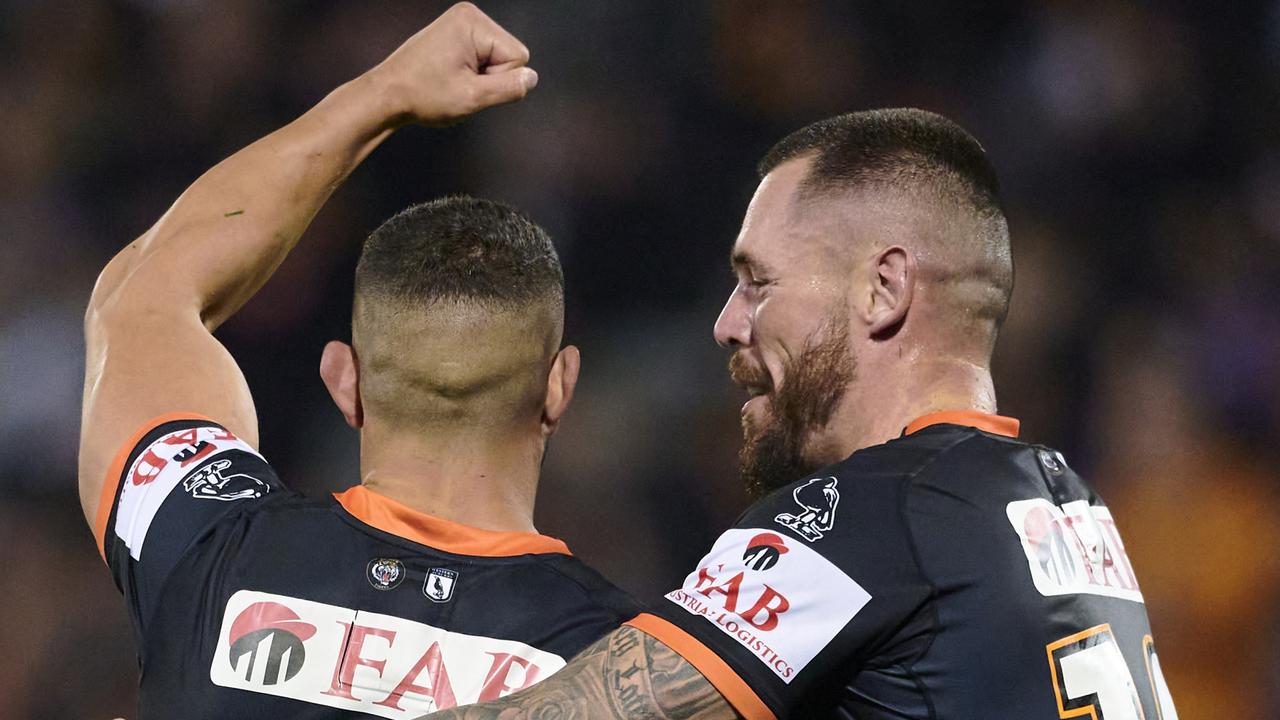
626 674
144 361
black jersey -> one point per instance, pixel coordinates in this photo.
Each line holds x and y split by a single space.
953 573
250 601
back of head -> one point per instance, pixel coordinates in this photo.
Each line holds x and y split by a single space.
938 184
459 309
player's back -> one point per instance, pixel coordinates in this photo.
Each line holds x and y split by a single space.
251 601
952 573
1034 609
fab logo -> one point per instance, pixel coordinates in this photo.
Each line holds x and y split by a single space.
777 597
364 662
1073 548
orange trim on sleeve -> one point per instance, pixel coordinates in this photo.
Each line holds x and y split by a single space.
713 668
994 424
111 483
403 521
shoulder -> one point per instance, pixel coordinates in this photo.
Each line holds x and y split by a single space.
933 449
570 572
285 526
860 505
867 482
929 453
962 449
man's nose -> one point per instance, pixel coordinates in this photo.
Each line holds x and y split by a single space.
733 327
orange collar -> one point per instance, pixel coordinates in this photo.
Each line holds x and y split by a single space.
994 424
390 516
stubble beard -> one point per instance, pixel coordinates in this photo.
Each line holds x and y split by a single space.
773 452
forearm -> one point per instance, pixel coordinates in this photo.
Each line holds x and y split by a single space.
228 232
625 675
148 343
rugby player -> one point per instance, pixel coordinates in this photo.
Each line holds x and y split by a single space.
909 556
422 588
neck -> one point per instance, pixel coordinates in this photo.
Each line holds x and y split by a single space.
484 482
875 411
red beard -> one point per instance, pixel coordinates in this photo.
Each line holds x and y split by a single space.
773 452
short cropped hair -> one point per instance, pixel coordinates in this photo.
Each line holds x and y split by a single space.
460 248
459 310
917 152
887 144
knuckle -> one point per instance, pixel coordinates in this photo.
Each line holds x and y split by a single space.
464 9
473 96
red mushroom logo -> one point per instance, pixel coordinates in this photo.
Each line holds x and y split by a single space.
267 643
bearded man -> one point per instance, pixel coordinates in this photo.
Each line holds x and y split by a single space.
893 565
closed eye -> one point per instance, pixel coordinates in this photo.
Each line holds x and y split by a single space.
750 271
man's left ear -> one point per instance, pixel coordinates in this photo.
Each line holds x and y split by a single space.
893 282
561 382
340 371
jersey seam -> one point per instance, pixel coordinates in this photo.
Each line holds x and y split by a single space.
903 502
185 555
588 594
924 690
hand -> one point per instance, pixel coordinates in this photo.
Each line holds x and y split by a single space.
462 63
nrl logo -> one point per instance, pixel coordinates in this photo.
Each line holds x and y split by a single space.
210 484
817 500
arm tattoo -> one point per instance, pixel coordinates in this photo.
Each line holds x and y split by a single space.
626 675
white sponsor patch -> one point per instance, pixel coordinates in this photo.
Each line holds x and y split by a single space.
1074 548
158 470
362 661
777 597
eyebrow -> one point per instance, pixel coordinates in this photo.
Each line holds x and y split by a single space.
742 258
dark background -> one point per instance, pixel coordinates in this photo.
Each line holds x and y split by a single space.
1137 144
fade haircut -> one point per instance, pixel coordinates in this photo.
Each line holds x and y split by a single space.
459 308
460 248
931 160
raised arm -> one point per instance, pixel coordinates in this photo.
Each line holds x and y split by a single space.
148 329
626 675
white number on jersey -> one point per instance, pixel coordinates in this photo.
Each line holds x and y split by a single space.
1091 678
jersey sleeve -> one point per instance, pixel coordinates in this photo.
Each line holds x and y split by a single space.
176 478
789 602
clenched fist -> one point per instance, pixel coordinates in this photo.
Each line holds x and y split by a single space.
462 63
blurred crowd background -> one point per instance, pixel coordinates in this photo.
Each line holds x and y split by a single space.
1139 150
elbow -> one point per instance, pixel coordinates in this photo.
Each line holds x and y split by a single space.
105 289
111 287
140 282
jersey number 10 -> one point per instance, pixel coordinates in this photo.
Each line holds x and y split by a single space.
1091 678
